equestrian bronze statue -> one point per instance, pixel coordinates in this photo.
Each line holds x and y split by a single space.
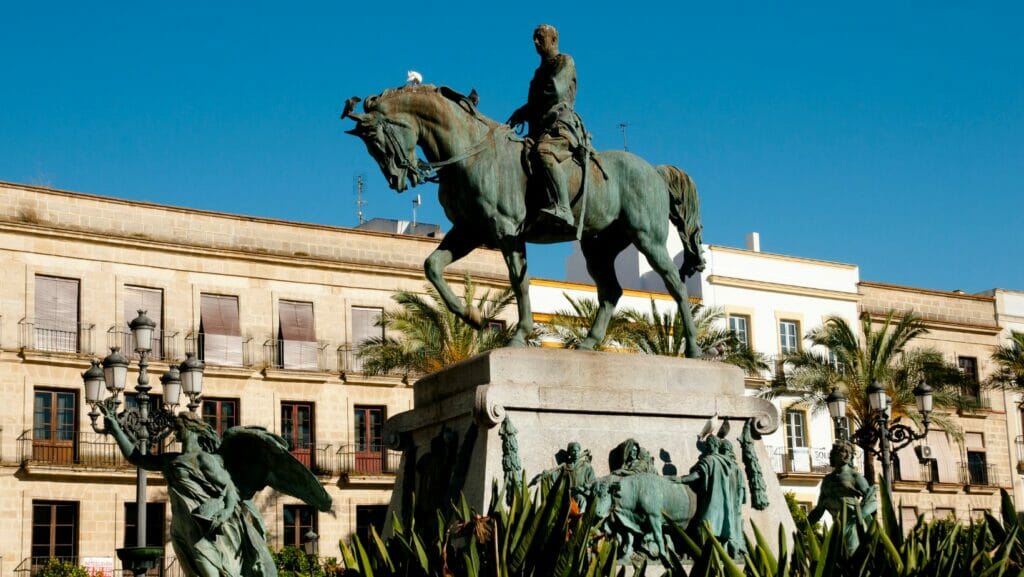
484 184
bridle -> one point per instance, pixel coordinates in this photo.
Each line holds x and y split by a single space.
422 170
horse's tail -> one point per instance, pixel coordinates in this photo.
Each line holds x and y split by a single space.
684 212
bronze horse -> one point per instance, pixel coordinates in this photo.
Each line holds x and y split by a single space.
483 187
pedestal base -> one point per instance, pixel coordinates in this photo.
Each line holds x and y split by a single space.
452 440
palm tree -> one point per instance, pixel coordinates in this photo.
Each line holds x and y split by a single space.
851 363
570 326
1009 359
652 334
430 337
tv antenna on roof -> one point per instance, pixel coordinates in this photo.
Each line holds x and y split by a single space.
359 199
623 126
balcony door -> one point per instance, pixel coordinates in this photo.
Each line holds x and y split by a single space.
297 429
53 426
369 425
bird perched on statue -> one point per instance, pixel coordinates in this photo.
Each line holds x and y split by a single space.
414 78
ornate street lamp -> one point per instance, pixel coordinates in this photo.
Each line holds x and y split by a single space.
876 428
310 544
146 426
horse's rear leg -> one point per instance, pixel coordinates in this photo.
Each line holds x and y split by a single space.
514 251
600 253
455 245
659 259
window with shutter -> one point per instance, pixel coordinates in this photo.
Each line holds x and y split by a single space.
56 314
219 330
151 300
297 347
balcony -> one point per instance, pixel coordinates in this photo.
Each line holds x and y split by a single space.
74 341
368 463
220 350
84 449
295 355
165 346
799 461
979 477
349 363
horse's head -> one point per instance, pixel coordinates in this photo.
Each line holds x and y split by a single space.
390 137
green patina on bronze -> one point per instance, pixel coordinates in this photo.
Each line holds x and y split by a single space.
718 483
846 495
481 167
575 462
755 478
216 529
510 464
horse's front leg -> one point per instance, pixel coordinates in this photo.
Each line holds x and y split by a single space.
455 245
514 251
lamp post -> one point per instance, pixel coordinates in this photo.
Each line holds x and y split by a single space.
310 544
876 428
145 425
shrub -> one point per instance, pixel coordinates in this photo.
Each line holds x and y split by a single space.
61 568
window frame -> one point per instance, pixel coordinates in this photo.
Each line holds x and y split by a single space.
784 347
219 425
293 534
745 339
52 524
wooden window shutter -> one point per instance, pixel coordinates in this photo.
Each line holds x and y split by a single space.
222 333
150 300
298 335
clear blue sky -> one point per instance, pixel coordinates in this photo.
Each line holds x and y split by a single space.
890 134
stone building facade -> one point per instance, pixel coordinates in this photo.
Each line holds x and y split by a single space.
275 307
965 477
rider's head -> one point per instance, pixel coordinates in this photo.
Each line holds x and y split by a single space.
545 40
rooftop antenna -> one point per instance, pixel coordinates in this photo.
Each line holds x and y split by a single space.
359 199
623 126
416 202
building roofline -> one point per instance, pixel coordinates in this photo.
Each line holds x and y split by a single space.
935 292
777 256
214 213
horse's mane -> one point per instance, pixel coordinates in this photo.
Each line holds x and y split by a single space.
466 103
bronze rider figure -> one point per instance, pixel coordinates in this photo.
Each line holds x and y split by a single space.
554 126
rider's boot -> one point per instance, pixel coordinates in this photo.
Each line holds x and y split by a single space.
558 188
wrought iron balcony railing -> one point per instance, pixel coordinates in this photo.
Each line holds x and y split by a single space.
165 346
807 460
978 475
220 350
295 355
70 340
382 462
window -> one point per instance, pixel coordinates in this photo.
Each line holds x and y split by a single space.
977 468
154 524
370 516
740 326
497 326
152 301
796 429
53 426
54 531
296 347
944 513
220 335
297 429
908 518
369 424
789 341
56 315
364 324
969 368
299 520
220 414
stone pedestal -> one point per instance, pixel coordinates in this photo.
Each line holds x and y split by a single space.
554 397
